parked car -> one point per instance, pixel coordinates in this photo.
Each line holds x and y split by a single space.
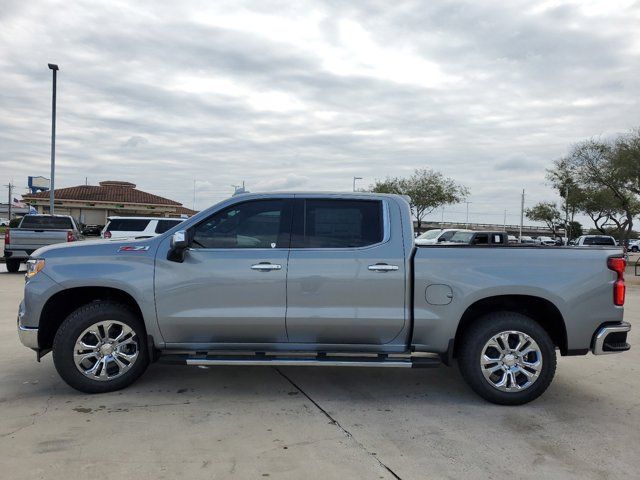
138 227
37 231
432 237
527 240
634 246
548 241
92 230
512 239
480 238
322 280
4 222
595 240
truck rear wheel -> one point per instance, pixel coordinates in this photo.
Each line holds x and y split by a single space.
507 358
100 347
12 265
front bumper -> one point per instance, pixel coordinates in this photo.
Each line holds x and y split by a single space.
28 336
611 339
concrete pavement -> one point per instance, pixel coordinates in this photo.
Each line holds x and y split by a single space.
324 423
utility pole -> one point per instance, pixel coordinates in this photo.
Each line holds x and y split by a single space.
442 219
54 68
467 224
521 216
567 229
194 194
354 182
10 186
504 224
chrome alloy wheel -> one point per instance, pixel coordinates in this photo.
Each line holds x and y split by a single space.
106 350
511 361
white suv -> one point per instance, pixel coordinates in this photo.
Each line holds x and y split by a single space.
137 227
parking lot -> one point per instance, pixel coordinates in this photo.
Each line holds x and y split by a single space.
260 422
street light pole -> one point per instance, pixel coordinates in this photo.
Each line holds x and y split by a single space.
354 182
54 68
521 216
467 224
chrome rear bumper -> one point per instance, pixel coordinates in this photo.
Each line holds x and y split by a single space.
603 344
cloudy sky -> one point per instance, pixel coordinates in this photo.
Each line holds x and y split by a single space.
306 95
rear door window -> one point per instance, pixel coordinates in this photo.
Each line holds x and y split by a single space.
338 224
127 225
37 222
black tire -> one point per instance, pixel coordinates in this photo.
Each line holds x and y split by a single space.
80 320
12 265
471 349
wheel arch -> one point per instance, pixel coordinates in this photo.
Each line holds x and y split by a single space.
541 310
63 303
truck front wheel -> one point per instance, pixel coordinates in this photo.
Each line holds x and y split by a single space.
100 347
507 358
12 265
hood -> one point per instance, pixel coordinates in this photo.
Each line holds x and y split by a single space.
93 247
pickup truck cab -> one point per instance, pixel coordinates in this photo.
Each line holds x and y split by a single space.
36 231
323 280
595 240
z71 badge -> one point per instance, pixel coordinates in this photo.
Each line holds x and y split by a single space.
133 248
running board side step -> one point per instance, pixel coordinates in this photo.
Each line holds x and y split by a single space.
306 361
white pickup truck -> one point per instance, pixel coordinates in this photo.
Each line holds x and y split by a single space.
36 231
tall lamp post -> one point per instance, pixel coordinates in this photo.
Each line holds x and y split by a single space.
54 68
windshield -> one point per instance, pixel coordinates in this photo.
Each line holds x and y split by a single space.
462 237
430 235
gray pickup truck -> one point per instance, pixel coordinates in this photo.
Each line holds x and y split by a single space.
34 232
322 280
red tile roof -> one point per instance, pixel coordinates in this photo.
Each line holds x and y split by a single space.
112 192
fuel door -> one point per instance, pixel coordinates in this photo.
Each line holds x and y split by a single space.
439 294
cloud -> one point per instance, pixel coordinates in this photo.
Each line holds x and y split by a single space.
308 95
135 141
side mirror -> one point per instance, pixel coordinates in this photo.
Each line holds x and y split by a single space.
179 245
441 239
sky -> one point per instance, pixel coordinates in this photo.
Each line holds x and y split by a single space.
306 95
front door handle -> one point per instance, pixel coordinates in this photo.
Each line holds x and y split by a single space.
383 267
266 267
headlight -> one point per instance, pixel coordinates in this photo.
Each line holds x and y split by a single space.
34 266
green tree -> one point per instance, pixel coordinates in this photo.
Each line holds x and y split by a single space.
599 166
427 190
546 212
575 230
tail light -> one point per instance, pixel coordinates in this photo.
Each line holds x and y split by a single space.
70 236
107 234
618 265
7 237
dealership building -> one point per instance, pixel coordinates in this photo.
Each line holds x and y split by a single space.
92 204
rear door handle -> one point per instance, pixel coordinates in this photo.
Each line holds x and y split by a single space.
266 267
383 267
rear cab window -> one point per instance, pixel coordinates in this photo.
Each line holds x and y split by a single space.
37 222
328 223
599 241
